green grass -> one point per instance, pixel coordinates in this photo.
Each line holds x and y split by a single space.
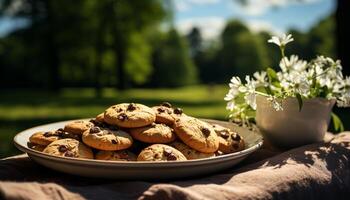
21 109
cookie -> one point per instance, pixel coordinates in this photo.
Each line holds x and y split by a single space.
44 138
129 115
160 152
107 139
123 155
166 114
197 134
69 148
229 141
100 118
190 153
78 127
36 147
155 133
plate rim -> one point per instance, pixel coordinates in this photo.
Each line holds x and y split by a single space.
93 162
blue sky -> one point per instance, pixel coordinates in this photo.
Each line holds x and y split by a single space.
210 16
276 16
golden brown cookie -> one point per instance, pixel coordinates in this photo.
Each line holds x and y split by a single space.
197 134
69 148
44 138
154 133
129 115
229 141
107 139
78 127
123 155
190 153
100 118
36 147
160 152
166 114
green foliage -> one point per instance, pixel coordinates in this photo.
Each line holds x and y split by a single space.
337 123
172 64
242 52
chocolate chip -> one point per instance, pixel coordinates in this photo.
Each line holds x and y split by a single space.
236 137
224 134
113 107
160 110
60 129
95 129
69 154
62 148
167 151
166 104
131 107
205 131
178 111
119 110
124 155
235 146
171 157
122 117
114 142
47 134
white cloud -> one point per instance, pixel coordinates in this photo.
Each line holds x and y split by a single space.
261 25
185 5
210 27
259 7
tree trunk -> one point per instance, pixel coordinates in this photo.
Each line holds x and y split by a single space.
120 47
343 33
52 51
99 52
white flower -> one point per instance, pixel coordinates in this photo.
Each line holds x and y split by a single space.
250 96
343 101
293 63
230 106
275 104
260 78
281 41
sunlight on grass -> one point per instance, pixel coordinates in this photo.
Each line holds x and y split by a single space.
28 108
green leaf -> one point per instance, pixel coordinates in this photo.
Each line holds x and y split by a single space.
300 101
337 123
268 90
273 79
271 74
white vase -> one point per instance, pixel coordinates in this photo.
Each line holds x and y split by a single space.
291 127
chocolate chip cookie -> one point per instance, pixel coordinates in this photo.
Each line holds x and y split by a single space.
36 147
166 114
69 148
107 139
154 133
197 134
123 155
129 115
160 152
78 127
229 141
190 153
44 138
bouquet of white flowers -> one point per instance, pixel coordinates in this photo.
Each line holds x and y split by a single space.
320 77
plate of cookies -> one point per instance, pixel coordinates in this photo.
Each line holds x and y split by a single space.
133 141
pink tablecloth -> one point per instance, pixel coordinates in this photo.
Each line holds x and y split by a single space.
316 171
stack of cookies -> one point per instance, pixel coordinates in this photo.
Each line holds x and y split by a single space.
135 132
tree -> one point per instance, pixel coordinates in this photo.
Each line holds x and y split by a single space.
195 41
172 64
242 52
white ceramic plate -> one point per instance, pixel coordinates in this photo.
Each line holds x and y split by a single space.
139 170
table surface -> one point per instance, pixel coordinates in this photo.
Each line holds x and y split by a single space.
315 171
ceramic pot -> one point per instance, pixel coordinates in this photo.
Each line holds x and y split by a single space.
291 127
